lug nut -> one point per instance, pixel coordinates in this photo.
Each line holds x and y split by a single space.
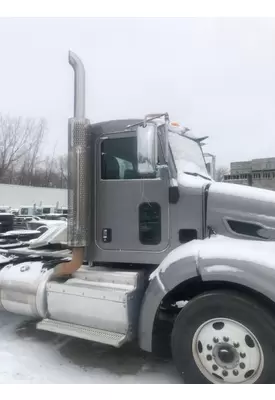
226 339
209 347
236 345
214 367
235 372
225 373
208 357
242 365
215 340
242 355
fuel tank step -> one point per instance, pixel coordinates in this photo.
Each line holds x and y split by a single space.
105 300
95 335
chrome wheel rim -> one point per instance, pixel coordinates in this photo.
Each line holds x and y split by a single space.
225 351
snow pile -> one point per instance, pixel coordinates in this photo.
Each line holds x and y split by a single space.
3 258
31 356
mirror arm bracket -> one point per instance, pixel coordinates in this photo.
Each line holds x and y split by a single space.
151 117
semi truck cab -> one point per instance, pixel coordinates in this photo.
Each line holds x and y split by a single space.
139 214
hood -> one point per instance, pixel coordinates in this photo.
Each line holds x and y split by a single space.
241 211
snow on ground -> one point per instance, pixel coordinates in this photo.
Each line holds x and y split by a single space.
31 356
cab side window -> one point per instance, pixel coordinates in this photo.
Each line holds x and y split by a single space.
119 158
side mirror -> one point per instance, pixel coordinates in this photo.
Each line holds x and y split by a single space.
147 148
209 168
211 165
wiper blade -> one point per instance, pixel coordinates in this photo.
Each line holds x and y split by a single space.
196 174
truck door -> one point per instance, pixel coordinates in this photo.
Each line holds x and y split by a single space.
131 213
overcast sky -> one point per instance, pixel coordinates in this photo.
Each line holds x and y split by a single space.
216 76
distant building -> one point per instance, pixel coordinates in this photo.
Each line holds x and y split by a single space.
258 172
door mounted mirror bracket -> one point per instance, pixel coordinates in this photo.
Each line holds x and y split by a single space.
174 193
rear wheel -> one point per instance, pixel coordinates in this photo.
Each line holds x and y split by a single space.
224 337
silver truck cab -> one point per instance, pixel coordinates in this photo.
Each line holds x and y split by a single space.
160 253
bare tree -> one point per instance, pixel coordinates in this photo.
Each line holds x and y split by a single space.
220 172
50 167
34 152
19 138
20 155
63 170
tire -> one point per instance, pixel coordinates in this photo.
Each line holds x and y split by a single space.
224 337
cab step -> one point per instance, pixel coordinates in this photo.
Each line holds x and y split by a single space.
95 335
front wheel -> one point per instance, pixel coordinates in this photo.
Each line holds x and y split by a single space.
224 337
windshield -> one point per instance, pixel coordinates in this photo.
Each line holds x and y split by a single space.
187 154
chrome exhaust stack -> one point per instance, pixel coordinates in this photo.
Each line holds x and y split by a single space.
77 159
77 179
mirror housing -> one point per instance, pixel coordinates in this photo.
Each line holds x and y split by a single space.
174 193
211 165
147 149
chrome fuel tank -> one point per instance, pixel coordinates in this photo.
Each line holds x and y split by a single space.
23 288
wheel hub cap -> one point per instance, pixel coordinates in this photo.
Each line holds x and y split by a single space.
226 351
225 355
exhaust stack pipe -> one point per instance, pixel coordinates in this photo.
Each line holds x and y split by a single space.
79 85
77 145
77 181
